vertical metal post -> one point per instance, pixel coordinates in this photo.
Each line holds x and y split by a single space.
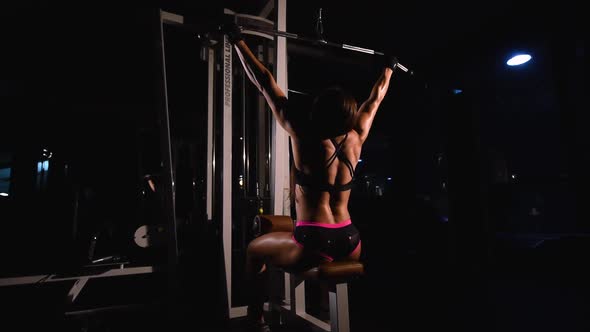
210 140
279 176
167 178
339 321
263 135
227 166
297 289
280 148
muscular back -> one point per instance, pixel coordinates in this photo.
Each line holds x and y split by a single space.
312 157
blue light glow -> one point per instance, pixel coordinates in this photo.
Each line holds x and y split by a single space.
46 165
5 173
518 59
457 91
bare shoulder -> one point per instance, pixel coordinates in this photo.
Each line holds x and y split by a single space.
354 138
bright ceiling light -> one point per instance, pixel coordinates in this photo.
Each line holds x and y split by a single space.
518 59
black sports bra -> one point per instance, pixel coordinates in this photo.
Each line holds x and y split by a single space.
319 183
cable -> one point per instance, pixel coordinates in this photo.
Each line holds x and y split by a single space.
319 27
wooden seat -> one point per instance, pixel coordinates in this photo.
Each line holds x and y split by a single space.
336 275
334 271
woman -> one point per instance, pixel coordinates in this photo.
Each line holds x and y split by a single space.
326 145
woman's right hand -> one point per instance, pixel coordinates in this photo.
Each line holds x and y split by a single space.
390 61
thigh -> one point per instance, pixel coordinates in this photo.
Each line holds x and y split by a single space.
279 249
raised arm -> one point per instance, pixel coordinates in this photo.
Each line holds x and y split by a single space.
262 78
369 107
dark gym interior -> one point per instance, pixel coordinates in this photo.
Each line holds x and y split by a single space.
471 206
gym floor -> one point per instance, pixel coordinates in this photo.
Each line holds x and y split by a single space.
412 294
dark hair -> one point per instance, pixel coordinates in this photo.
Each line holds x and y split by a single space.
333 112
